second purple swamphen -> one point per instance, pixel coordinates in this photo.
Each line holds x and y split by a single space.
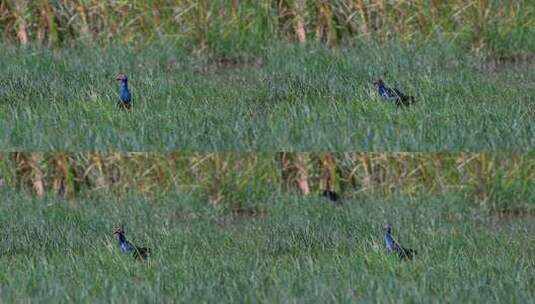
393 247
125 98
128 248
392 94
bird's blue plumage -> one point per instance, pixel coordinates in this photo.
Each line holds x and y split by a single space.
125 98
128 248
387 93
390 244
125 246
393 247
392 95
124 93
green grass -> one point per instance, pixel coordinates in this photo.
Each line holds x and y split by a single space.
298 250
282 98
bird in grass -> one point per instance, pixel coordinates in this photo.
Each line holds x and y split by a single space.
393 247
328 192
128 248
392 94
125 99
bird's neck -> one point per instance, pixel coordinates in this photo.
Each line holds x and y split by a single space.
381 87
388 238
124 84
121 238
389 242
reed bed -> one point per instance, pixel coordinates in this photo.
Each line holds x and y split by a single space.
226 25
491 180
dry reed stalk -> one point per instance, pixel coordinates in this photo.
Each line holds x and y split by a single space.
235 8
20 11
326 27
48 27
329 179
301 163
225 177
299 20
85 32
28 170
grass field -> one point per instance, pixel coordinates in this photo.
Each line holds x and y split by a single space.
280 98
291 250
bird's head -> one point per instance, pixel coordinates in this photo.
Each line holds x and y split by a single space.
388 228
119 230
121 77
379 82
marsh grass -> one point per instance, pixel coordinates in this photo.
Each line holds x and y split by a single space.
281 98
301 250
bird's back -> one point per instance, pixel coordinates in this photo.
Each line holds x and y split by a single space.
390 244
125 94
126 247
393 95
406 253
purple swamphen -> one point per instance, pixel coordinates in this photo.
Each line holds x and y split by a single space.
328 192
125 99
393 95
128 248
393 247
330 195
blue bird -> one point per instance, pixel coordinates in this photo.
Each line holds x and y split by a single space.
330 195
393 95
393 247
128 248
124 94
328 192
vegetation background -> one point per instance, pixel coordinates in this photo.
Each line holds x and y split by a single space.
229 26
231 227
499 182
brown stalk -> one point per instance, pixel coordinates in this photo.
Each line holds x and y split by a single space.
299 20
325 28
20 11
302 172
329 171
28 169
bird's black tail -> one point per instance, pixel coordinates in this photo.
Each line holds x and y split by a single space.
124 105
142 253
406 253
331 195
405 101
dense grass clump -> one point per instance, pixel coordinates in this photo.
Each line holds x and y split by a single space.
282 97
289 250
